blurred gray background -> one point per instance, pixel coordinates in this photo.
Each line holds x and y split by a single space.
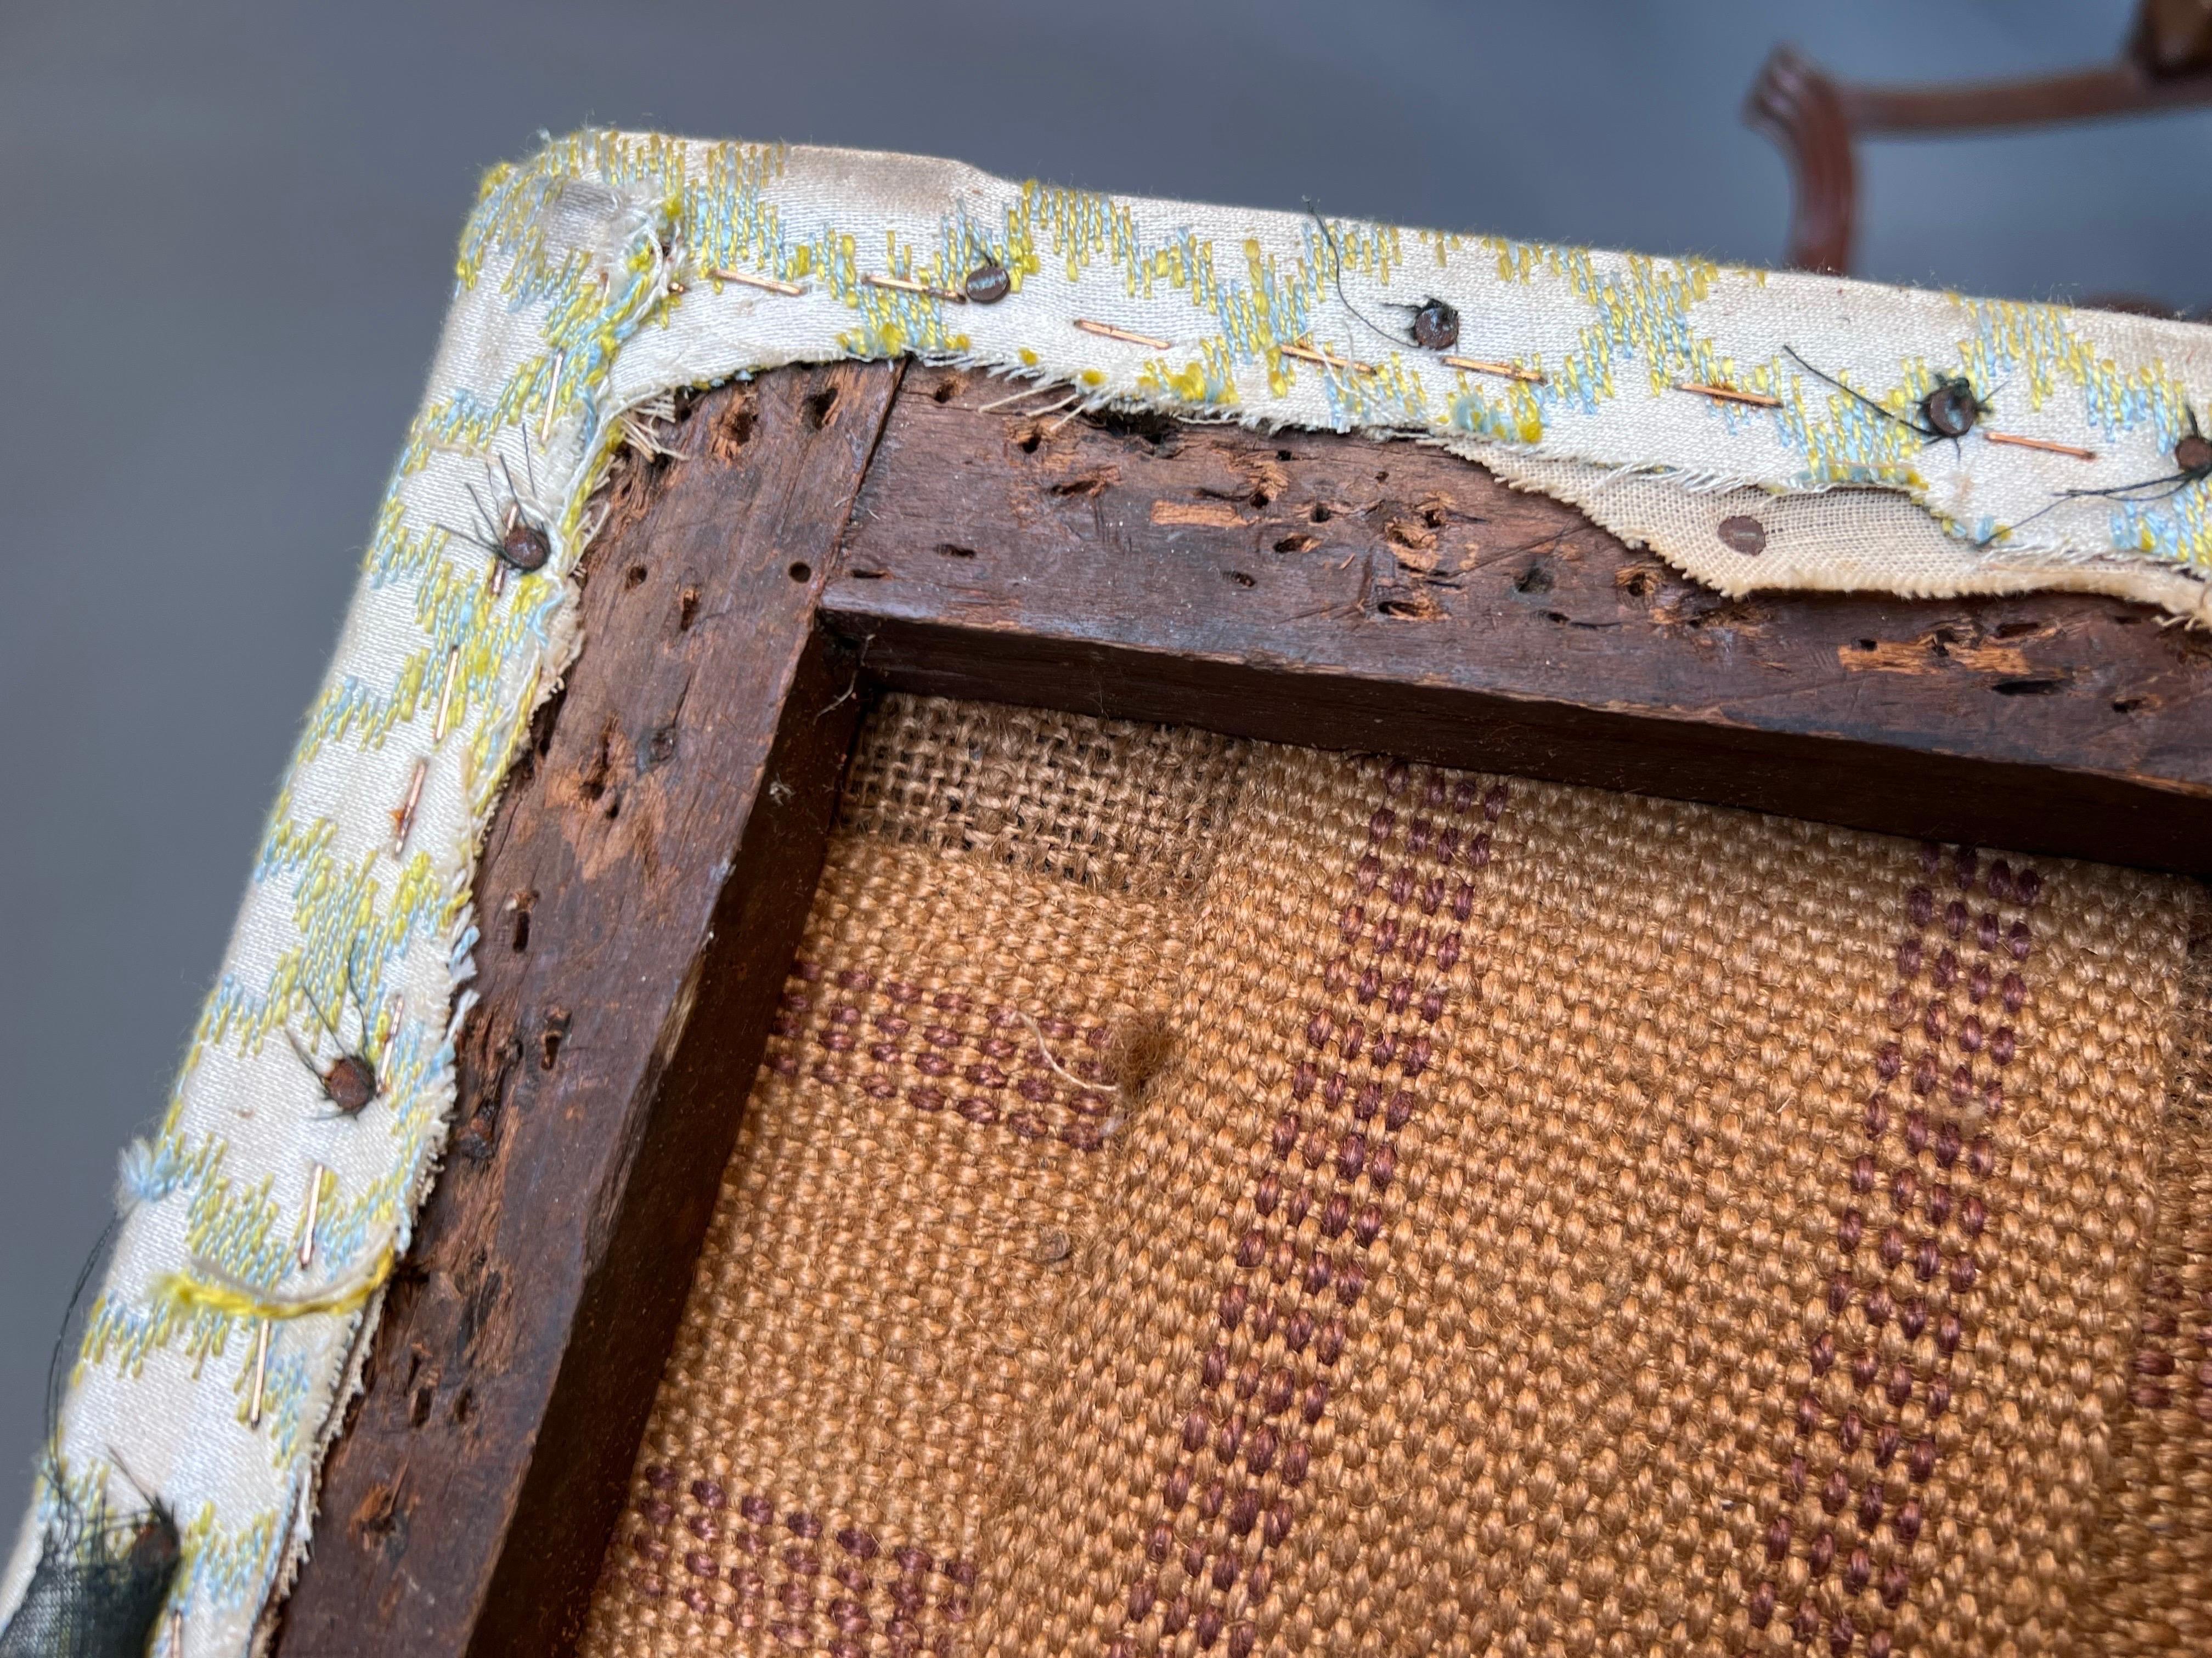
229 231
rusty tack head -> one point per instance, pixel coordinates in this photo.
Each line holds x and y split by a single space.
1950 411
1951 407
522 546
1435 326
2192 465
523 543
988 283
350 1084
514 539
1744 534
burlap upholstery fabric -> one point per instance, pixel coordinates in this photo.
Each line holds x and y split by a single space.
2151 1555
1566 1223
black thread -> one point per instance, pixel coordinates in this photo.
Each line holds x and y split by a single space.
1953 402
1431 313
101 1577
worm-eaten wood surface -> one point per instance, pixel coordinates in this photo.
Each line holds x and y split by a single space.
1348 594
643 883
652 863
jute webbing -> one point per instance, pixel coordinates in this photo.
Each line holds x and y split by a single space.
916 1180
2150 1551
1565 1222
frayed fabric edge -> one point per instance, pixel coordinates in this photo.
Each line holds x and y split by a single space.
1615 499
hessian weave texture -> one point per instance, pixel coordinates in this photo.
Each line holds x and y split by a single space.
259 1220
1563 1222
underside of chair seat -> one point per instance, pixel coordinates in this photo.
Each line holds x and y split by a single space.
1537 1220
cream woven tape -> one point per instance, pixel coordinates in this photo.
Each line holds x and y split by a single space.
259 1221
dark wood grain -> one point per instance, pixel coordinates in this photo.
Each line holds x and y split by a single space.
641 893
1346 593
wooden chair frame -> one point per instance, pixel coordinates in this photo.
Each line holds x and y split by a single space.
830 531
1817 120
